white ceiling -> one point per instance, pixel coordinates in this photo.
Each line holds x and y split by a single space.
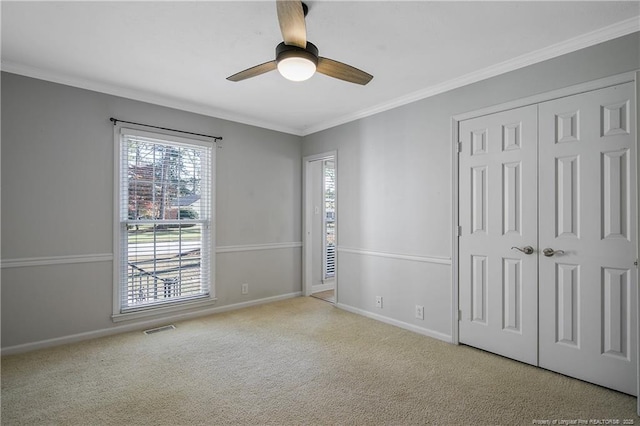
179 53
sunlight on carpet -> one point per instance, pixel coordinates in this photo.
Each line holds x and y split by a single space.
327 296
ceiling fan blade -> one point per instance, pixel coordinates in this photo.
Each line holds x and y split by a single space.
292 25
253 71
342 71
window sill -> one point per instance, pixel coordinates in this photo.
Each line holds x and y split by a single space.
157 311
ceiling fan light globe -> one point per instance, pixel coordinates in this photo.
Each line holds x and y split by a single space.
296 68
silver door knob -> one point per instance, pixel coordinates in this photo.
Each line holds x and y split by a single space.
550 252
525 250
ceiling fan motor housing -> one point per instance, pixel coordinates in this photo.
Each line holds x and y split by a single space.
284 51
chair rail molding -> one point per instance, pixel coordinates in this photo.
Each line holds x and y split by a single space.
56 260
108 257
397 256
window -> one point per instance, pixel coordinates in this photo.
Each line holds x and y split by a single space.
165 210
329 195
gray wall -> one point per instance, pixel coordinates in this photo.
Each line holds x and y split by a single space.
395 186
57 200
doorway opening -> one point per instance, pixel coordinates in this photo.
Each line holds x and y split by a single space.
320 227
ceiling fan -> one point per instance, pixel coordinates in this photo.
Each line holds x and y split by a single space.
296 58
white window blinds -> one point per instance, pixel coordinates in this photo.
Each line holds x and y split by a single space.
165 209
329 195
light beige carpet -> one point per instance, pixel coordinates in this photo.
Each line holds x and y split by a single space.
299 361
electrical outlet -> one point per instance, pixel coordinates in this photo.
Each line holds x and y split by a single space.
420 312
379 302
245 288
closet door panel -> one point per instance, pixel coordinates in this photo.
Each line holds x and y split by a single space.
498 211
587 219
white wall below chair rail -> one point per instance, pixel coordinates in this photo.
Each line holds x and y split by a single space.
405 325
402 282
108 257
74 299
26 347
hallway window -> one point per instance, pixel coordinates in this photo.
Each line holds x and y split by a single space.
329 195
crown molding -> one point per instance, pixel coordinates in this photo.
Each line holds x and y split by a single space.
140 95
601 35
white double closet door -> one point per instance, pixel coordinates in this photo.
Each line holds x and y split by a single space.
547 208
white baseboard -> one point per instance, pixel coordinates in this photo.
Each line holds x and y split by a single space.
139 325
401 324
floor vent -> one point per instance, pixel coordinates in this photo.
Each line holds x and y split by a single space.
159 329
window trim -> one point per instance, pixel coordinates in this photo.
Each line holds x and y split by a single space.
118 314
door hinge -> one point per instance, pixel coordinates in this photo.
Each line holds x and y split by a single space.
459 231
459 148
459 314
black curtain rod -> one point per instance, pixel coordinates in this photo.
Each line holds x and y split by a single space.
115 121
